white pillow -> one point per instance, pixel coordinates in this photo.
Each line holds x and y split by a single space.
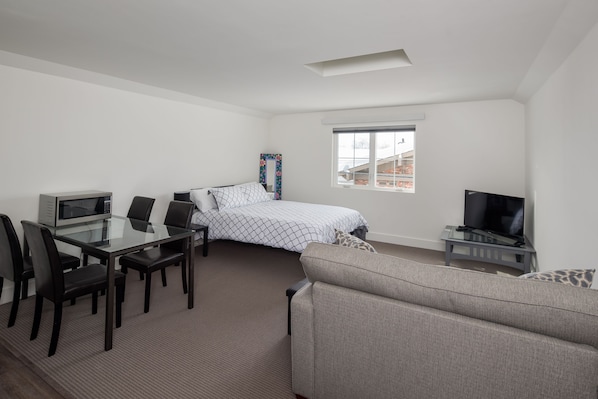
229 197
203 199
255 192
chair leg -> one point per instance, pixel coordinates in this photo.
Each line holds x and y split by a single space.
163 273
15 303
184 275
120 298
140 275
94 302
103 262
55 328
148 286
24 288
205 242
37 316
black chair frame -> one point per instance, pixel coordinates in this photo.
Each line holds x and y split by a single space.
17 267
52 284
158 258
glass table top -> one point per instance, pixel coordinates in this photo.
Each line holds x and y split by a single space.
481 236
117 234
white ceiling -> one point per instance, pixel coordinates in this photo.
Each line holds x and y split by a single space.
251 54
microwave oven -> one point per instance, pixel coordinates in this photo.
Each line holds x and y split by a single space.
61 209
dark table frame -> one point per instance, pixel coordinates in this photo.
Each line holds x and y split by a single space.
111 255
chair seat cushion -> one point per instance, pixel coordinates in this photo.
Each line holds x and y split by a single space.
152 259
88 279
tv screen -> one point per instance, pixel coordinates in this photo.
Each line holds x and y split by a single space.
500 214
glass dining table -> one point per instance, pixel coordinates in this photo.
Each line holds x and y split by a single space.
116 236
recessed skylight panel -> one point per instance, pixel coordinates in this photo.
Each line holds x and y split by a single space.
361 63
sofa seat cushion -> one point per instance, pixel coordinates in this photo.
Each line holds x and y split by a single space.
555 310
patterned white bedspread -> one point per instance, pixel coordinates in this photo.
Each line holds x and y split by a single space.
280 224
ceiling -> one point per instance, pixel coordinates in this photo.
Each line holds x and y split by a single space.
252 54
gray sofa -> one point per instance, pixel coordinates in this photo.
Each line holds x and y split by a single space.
375 326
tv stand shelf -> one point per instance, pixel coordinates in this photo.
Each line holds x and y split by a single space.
483 246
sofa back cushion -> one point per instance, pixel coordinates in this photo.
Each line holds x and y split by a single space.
555 310
367 346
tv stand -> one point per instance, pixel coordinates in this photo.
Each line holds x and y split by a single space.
488 247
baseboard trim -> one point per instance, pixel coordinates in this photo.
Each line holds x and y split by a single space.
9 289
7 292
407 241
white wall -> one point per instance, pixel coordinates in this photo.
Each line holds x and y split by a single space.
473 145
562 165
59 134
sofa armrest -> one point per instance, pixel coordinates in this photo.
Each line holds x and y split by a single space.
302 342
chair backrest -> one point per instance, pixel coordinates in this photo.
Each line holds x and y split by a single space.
141 208
49 278
178 215
11 258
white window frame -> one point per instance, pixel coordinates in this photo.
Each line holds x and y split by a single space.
372 130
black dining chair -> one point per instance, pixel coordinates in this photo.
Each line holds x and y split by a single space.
17 267
52 284
140 209
167 254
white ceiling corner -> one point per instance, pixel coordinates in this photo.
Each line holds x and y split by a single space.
251 56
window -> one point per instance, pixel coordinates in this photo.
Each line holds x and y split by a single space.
375 158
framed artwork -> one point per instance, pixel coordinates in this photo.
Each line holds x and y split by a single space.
271 173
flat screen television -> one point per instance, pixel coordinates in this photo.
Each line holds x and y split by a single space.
495 213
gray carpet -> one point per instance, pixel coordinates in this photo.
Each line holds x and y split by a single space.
437 258
233 344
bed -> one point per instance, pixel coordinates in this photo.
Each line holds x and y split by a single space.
247 213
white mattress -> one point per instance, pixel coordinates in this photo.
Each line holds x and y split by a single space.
280 224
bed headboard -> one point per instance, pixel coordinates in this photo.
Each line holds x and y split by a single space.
186 195
182 196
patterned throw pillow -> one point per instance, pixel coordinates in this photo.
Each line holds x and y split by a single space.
255 192
229 197
575 277
347 240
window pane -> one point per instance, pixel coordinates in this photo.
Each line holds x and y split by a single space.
375 157
394 159
353 158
